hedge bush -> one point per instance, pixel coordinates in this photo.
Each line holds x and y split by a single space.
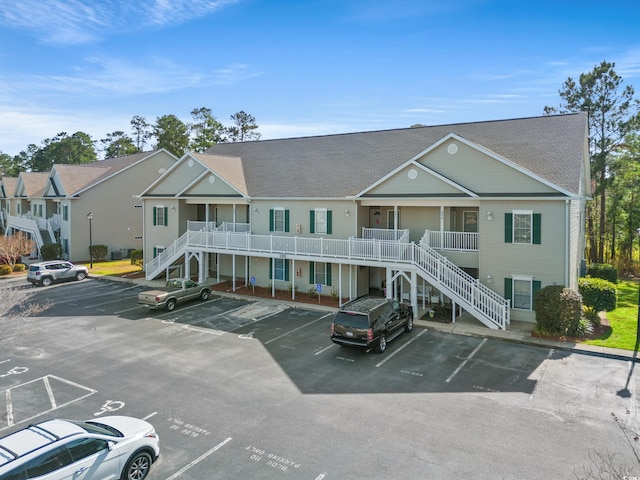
604 271
5 269
51 251
598 293
19 267
98 252
558 311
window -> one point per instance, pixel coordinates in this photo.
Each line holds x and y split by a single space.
278 269
157 250
320 273
521 290
48 462
160 215
523 227
18 208
391 218
470 222
320 221
278 220
65 212
85 447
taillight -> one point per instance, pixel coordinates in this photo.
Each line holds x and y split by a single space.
151 434
370 335
333 328
157 299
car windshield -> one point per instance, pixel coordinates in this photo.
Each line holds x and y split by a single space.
34 268
99 428
352 319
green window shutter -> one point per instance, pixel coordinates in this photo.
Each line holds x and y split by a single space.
155 252
312 221
271 221
328 274
537 231
271 269
286 270
508 228
328 222
286 220
154 221
508 289
166 212
312 273
537 285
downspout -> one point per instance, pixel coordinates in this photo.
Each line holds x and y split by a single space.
566 242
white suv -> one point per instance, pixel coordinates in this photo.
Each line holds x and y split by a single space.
45 273
114 447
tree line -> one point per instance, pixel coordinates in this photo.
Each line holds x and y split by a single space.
613 215
168 132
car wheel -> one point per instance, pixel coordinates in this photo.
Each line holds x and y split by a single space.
409 326
46 281
171 304
204 295
382 343
137 467
81 276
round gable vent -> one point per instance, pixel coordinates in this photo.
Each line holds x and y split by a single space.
452 149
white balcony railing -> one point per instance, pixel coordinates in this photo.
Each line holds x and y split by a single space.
441 240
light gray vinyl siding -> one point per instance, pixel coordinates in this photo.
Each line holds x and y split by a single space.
479 172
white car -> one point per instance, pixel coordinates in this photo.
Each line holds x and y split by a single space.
45 273
114 447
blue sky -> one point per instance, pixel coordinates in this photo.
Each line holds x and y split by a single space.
300 67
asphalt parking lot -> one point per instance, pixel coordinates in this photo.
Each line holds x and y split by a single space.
241 389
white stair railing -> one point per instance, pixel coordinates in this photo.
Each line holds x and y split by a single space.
483 303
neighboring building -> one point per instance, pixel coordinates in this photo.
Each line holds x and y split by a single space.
7 187
54 206
479 215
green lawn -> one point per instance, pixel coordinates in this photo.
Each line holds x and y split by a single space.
623 320
113 267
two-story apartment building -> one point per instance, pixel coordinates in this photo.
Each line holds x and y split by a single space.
57 206
479 215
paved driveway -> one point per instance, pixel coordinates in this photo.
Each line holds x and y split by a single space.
241 389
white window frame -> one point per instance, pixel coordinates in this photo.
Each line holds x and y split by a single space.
518 304
320 226
159 249
519 233
464 220
279 268
320 277
277 212
159 220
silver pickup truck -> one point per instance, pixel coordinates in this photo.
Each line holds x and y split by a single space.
176 291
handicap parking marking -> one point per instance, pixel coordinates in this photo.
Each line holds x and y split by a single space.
39 396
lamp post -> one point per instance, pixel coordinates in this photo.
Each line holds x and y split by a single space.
90 217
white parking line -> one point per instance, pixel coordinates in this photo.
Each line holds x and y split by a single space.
465 361
390 356
325 349
296 329
199 459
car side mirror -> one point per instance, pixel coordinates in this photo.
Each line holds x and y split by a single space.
111 445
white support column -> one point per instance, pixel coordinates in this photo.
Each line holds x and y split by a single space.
246 270
187 265
202 267
273 276
453 310
414 292
389 283
340 284
217 267
233 273
293 279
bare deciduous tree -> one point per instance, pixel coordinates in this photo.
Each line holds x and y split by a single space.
16 310
14 246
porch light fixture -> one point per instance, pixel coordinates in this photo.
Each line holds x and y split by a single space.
346 213
255 210
489 216
488 278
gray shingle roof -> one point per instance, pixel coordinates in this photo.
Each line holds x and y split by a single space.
551 147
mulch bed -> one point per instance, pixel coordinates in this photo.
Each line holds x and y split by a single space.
602 331
284 295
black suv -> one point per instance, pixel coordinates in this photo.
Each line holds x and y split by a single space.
371 322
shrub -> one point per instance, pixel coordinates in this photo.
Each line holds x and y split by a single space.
598 293
137 258
558 310
51 251
5 269
604 271
98 252
591 314
19 267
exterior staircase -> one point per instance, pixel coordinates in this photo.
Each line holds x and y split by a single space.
481 302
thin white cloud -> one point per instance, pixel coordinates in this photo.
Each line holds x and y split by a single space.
113 76
82 21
